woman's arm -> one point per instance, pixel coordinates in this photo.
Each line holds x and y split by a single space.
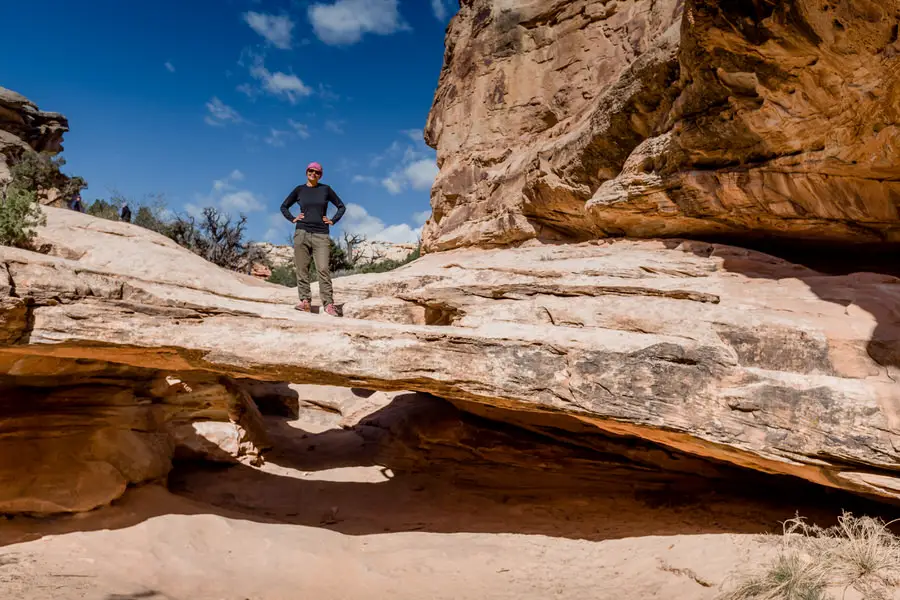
336 200
286 205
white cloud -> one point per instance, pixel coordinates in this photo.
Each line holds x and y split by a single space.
169 67
301 129
443 9
346 165
421 174
221 185
248 89
415 165
279 229
281 84
335 126
226 196
416 135
358 220
276 29
420 218
440 11
219 113
400 234
344 22
393 183
240 201
394 149
193 210
411 154
286 85
327 94
418 175
277 137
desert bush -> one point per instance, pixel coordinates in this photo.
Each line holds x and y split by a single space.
38 172
19 215
284 274
339 258
31 174
814 563
217 237
103 209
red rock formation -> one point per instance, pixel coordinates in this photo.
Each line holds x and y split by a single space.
574 119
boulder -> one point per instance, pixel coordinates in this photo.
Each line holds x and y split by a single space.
716 352
721 120
24 128
76 433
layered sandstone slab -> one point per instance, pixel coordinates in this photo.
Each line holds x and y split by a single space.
713 351
572 119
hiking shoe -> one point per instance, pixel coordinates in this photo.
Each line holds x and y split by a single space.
304 306
331 310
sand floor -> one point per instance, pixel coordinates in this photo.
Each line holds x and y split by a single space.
320 521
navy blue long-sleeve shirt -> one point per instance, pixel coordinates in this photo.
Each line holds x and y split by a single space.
313 203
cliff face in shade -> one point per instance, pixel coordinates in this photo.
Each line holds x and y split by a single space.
576 119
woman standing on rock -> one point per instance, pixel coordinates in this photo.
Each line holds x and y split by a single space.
311 236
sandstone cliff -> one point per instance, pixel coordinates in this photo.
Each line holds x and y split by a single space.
573 119
671 355
24 128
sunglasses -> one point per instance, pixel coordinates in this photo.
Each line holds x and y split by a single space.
313 172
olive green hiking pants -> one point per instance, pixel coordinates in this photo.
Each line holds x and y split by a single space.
316 246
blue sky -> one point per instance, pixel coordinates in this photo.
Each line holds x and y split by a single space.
224 102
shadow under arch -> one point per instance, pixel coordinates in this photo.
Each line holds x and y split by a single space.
420 464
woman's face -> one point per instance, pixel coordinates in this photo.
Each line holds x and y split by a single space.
313 176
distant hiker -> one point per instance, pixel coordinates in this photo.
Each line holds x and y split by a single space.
311 236
126 213
75 202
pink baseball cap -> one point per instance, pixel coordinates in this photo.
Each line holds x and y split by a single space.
314 166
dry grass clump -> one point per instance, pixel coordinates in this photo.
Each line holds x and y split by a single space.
813 563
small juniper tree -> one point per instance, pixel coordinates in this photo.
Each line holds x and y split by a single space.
19 215
40 173
32 174
103 209
284 274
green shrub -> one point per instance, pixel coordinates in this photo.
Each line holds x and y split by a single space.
148 218
284 275
338 258
20 212
19 215
103 209
36 172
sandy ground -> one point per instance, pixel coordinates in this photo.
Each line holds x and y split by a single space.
209 556
321 521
